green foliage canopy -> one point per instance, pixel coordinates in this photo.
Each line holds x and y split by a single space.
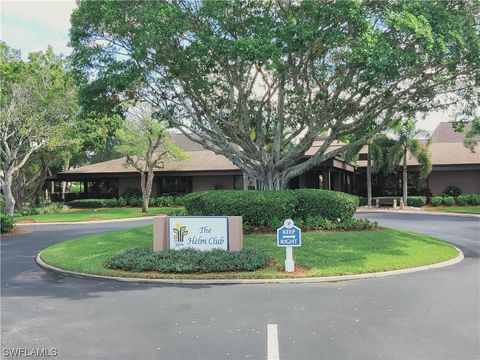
258 81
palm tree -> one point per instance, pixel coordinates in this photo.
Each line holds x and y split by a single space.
377 159
407 143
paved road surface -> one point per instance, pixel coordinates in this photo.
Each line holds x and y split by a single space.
426 315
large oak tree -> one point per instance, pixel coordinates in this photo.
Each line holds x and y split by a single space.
258 81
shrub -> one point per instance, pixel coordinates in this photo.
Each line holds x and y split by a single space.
427 193
258 208
448 200
261 208
164 200
88 203
319 223
151 201
452 190
188 260
362 201
417 201
275 223
7 223
131 192
134 201
474 199
29 209
121 201
437 200
178 201
178 212
355 225
52 208
330 205
462 200
111 203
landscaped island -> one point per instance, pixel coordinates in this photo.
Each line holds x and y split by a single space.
321 254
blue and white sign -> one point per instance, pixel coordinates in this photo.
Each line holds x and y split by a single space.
201 233
289 235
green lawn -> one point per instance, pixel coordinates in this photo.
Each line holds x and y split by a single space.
94 214
321 254
457 209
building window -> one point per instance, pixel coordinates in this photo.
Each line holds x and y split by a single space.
101 188
175 185
238 182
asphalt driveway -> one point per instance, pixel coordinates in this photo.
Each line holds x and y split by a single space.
426 315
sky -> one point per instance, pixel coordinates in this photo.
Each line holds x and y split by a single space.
34 25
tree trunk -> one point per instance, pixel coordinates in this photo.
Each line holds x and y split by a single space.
404 178
7 192
271 181
64 183
146 188
369 177
245 181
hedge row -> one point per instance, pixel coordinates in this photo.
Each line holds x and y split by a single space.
188 260
416 201
260 208
120 202
7 223
472 199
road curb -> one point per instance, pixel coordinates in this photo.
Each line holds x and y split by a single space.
414 212
322 279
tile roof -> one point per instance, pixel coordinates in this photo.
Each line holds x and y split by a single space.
198 161
446 149
444 133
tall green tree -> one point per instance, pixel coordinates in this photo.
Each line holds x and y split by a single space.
248 78
38 107
143 141
407 144
471 129
472 134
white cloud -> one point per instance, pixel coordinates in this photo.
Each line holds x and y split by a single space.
53 14
34 25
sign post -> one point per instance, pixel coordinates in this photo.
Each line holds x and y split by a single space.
289 236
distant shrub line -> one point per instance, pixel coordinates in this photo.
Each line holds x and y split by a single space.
121 202
461 200
416 201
